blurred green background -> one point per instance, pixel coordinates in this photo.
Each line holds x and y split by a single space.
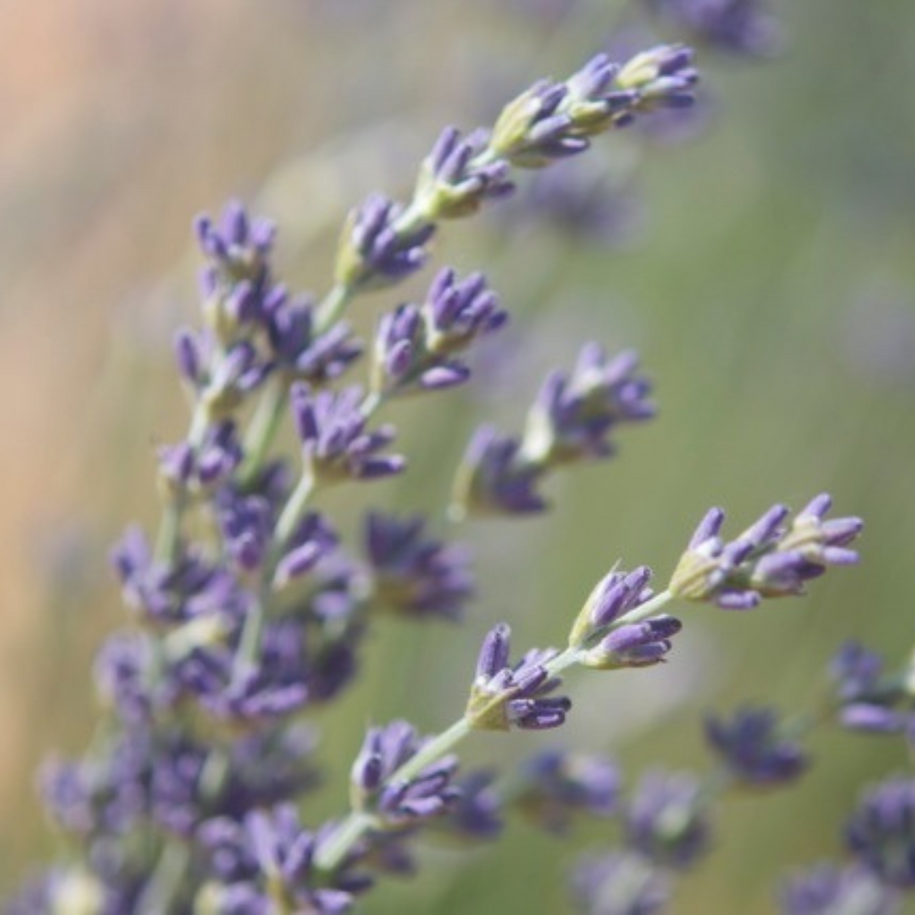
770 289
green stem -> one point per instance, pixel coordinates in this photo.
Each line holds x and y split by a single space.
162 887
433 751
332 307
249 646
169 534
647 610
265 425
358 823
371 403
293 509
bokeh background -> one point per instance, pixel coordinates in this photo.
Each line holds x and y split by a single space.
764 265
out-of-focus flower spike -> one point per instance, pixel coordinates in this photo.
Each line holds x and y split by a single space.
459 175
494 479
375 251
754 750
336 443
666 819
413 574
741 27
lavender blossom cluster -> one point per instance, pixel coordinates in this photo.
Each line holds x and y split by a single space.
249 611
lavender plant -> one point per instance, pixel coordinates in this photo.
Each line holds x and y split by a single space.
248 612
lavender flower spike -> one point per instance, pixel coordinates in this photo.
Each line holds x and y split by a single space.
881 832
551 120
416 347
376 249
752 749
826 889
612 597
414 575
620 883
458 176
264 860
237 280
769 559
493 478
504 697
335 442
666 820
575 414
557 784
398 803
738 26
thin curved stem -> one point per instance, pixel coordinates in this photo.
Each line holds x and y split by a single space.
265 425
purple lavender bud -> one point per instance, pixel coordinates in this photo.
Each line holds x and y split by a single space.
641 644
877 719
532 131
458 176
122 676
580 199
189 589
575 415
377 247
267 856
236 282
301 353
620 883
237 375
769 559
311 542
335 442
188 356
476 812
663 77
743 27
753 750
414 575
615 595
107 795
416 347
494 652
504 697
223 372
826 889
856 671
237 243
458 312
246 525
494 478
275 683
558 784
666 820
881 832
176 465
397 802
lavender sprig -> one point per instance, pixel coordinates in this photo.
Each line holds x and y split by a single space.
769 559
573 419
745 27
417 348
383 241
